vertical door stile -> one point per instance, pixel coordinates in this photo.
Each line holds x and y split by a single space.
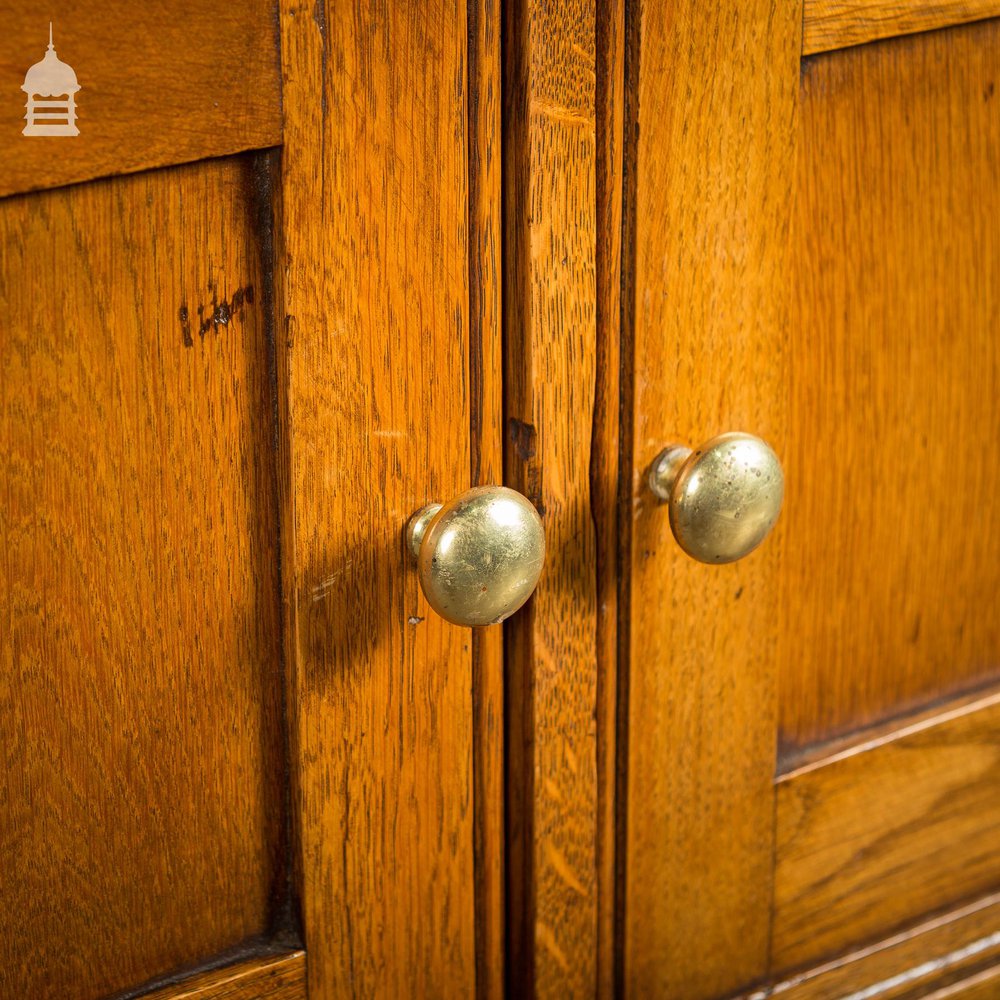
711 102
605 482
375 286
486 411
550 382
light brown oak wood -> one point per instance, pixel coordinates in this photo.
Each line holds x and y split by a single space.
374 363
871 838
605 482
876 598
942 953
892 575
984 985
279 977
141 802
161 84
550 379
837 24
485 103
712 93
883 731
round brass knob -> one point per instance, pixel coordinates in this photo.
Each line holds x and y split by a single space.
724 498
480 556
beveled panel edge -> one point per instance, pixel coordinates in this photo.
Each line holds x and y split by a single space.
867 844
270 977
945 953
794 764
828 25
984 985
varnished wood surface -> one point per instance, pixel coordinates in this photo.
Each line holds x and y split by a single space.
374 306
485 102
550 378
892 575
141 805
940 955
876 596
837 24
281 977
867 843
883 731
983 985
710 128
605 483
161 84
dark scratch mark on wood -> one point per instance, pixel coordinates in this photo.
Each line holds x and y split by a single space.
220 314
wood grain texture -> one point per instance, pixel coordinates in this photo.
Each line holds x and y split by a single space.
279 977
550 378
837 24
883 731
605 482
485 103
984 985
141 805
895 364
161 84
375 337
941 954
710 131
868 842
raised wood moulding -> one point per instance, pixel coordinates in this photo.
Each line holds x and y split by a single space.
838 24
944 954
866 841
158 84
274 977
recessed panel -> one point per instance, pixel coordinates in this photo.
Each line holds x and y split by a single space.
141 789
892 554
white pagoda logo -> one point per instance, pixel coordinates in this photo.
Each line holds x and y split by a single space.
46 80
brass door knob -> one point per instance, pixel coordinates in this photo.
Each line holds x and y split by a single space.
480 556
724 497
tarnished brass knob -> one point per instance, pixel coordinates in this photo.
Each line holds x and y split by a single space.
480 556
724 498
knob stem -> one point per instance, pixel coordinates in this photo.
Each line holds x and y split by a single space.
665 469
416 527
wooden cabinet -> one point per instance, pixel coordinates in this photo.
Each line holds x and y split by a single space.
307 268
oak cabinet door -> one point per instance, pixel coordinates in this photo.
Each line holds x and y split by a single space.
812 734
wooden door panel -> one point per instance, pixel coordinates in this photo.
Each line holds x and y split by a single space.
161 83
945 952
891 592
837 24
141 800
884 832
